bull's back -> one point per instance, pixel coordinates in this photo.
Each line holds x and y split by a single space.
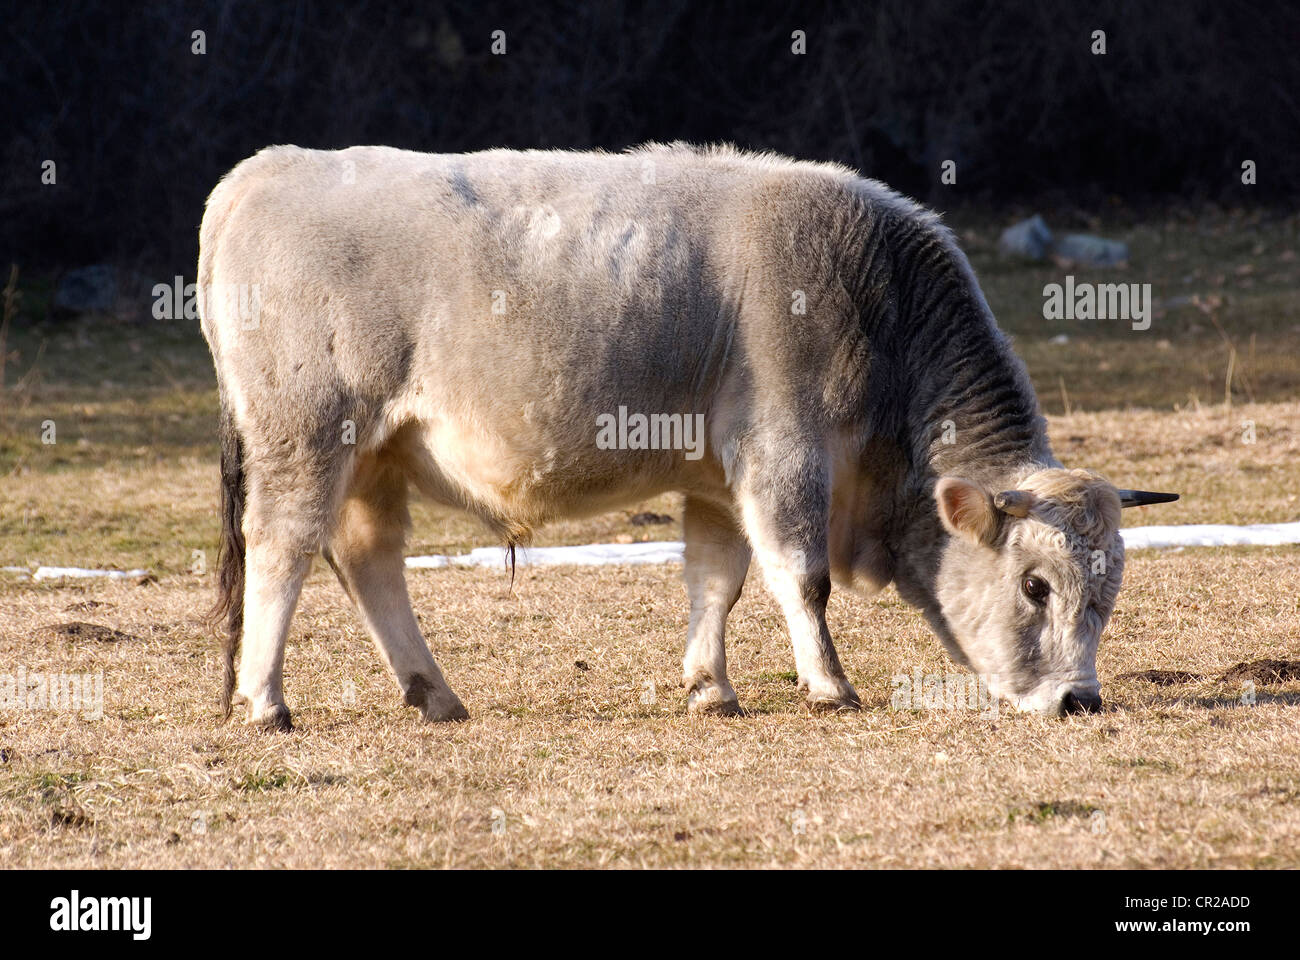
500 301
503 257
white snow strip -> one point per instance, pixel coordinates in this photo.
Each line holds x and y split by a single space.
59 573
670 551
589 555
1212 535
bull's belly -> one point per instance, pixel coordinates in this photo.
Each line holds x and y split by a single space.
524 478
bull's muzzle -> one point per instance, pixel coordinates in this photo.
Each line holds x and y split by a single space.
1078 702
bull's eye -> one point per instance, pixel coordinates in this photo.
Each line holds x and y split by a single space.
1036 589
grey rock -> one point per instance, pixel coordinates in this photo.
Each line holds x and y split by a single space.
1028 238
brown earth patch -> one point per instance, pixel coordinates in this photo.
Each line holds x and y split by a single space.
1264 671
80 630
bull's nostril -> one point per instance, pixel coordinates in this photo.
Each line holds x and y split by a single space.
1080 703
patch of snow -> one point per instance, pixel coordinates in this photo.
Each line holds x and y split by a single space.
588 555
671 551
59 573
1211 535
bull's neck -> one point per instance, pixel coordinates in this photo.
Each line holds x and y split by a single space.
963 403
966 406
972 411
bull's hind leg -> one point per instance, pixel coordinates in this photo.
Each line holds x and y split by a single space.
785 500
365 550
275 571
283 526
717 559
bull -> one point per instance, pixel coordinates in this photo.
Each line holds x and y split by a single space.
462 324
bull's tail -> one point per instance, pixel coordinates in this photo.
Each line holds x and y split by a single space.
230 561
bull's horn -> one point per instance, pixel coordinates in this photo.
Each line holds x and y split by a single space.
1014 502
1140 498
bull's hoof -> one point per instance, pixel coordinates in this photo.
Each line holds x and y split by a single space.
713 700
273 718
836 695
437 702
452 713
701 707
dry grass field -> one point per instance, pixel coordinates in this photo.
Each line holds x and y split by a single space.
579 752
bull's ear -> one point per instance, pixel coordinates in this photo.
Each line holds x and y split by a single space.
966 509
1140 498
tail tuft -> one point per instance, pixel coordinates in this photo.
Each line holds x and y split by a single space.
230 561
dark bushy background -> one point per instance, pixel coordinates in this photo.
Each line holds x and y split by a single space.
141 128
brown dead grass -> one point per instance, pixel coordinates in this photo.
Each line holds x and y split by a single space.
1231 465
565 766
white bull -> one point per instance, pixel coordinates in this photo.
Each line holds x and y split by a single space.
469 325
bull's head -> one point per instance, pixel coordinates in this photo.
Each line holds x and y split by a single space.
1028 580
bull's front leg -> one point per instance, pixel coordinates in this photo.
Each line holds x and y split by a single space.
785 502
717 559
